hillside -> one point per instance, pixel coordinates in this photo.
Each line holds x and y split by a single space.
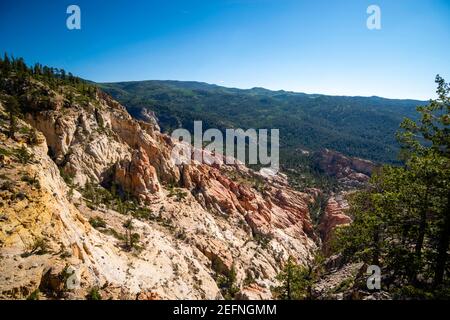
87 193
356 126
93 206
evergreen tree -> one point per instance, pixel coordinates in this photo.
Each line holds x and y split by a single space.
295 282
13 109
402 219
430 138
6 65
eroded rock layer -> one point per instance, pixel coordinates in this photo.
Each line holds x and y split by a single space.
163 230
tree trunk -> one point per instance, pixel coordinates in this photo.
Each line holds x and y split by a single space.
441 259
376 246
288 286
12 126
420 237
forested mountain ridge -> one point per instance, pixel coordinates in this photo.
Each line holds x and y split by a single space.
356 126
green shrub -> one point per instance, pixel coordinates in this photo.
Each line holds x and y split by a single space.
38 247
177 192
34 295
23 155
97 222
262 240
227 284
142 213
131 239
67 177
33 181
113 233
32 138
7 185
94 294
295 282
344 285
249 279
5 152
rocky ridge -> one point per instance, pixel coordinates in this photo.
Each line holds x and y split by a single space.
349 171
202 224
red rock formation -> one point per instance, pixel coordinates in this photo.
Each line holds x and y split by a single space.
349 171
137 176
228 216
333 217
276 208
251 292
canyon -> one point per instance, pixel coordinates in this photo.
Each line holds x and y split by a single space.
90 194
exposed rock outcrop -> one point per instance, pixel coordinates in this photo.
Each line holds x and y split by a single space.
350 172
137 176
201 219
333 217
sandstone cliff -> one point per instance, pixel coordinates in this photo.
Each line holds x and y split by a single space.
333 217
350 172
93 196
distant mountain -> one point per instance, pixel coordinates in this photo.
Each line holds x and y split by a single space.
356 126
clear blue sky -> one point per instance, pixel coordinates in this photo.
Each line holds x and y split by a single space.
316 46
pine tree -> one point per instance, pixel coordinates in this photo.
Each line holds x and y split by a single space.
430 137
37 69
6 64
295 282
13 109
129 240
402 219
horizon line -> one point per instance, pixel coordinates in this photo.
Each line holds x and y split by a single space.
264 88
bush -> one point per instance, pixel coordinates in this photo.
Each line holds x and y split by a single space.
262 240
142 213
67 177
5 152
94 294
7 185
344 285
227 283
30 180
295 282
23 155
113 233
38 247
32 138
249 279
177 192
131 239
411 292
97 222
34 295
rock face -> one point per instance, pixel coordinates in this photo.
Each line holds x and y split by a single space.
78 144
201 220
350 172
150 117
333 217
137 176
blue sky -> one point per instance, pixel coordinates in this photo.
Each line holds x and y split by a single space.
320 46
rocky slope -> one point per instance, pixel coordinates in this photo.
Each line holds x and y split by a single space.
91 202
350 172
334 216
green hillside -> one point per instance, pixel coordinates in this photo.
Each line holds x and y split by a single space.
356 126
